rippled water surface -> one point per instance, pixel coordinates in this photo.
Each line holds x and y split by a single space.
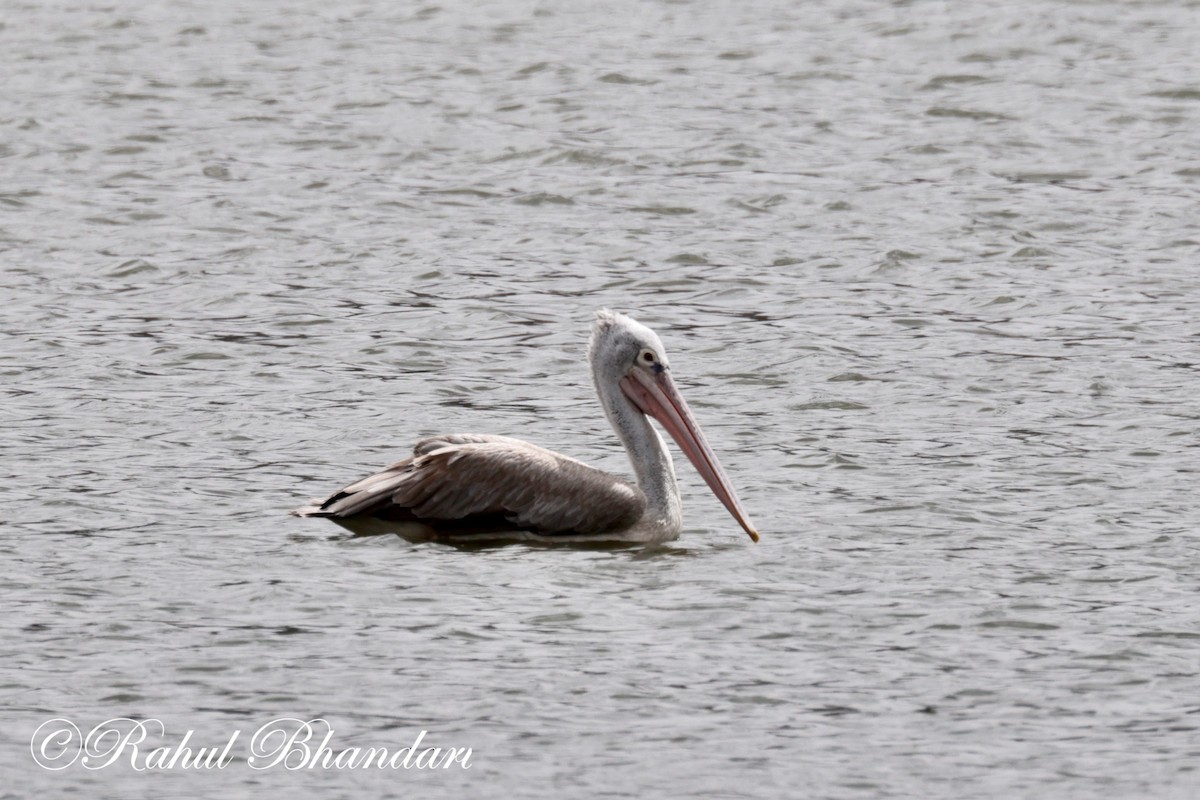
928 273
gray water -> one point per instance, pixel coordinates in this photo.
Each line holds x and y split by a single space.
927 272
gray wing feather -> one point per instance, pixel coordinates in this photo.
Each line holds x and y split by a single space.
463 475
426 446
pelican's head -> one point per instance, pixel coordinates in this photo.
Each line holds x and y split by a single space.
620 343
626 354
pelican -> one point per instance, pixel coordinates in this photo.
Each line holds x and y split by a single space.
479 487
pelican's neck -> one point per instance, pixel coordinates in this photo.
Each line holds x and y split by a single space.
648 455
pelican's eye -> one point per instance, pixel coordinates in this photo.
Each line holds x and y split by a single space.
649 360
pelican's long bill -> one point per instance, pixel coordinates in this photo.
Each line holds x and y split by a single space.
657 397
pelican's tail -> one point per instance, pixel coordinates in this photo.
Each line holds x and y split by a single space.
313 510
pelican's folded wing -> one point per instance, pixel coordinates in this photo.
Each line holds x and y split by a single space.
476 482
